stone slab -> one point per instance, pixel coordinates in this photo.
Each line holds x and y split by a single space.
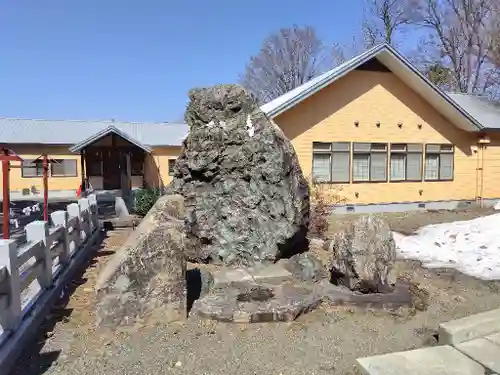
494 338
438 360
270 273
228 276
469 328
483 351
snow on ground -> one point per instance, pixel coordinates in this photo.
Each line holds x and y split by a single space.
472 247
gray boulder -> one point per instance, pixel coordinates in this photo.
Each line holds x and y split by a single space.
363 255
306 267
146 278
246 198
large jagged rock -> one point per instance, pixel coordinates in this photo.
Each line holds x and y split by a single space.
246 198
363 255
147 276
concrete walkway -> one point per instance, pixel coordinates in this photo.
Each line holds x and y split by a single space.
470 345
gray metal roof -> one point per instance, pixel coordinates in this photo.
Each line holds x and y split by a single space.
107 131
485 111
70 132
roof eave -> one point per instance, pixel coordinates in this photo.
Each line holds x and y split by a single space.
109 130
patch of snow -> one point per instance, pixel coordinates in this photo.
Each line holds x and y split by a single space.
250 127
471 247
497 206
211 124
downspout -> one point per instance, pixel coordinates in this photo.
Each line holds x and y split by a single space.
483 145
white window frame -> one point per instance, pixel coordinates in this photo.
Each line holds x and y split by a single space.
406 151
436 149
332 149
370 149
61 161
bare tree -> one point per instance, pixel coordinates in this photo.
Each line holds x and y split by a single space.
384 20
343 52
458 41
494 35
287 59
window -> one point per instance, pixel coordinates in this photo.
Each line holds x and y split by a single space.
93 162
439 162
32 168
369 162
331 161
171 165
137 164
63 168
406 162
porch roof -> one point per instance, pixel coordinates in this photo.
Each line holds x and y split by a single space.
103 133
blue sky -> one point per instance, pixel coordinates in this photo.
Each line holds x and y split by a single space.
135 60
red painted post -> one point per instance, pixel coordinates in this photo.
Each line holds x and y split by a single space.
6 156
5 177
45 188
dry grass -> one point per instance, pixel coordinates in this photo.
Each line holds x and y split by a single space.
408 222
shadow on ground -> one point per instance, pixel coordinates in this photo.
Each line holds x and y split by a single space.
33 360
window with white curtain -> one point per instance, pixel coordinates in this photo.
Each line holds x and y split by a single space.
369 162
331 162
406 162
439 164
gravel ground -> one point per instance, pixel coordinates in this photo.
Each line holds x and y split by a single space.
326 341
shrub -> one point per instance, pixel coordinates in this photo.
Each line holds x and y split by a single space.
323 198
144 199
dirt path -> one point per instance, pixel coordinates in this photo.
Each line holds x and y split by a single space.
326 341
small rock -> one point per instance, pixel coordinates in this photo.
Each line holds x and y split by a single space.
363 255
306 267
316 243
178 364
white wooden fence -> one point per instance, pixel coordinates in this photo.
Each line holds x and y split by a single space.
32 275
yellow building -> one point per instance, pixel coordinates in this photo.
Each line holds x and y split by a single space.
111 156
374 126
391 140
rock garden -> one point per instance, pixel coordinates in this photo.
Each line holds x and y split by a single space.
238 214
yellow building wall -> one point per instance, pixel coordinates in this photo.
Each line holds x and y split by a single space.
369 97
17 182
489 168
156 165
155 169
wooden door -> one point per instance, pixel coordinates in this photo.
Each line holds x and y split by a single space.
111 163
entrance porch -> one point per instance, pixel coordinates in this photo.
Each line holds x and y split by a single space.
112 163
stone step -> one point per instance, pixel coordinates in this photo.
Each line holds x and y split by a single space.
469 328
483 351
270 273
439 360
